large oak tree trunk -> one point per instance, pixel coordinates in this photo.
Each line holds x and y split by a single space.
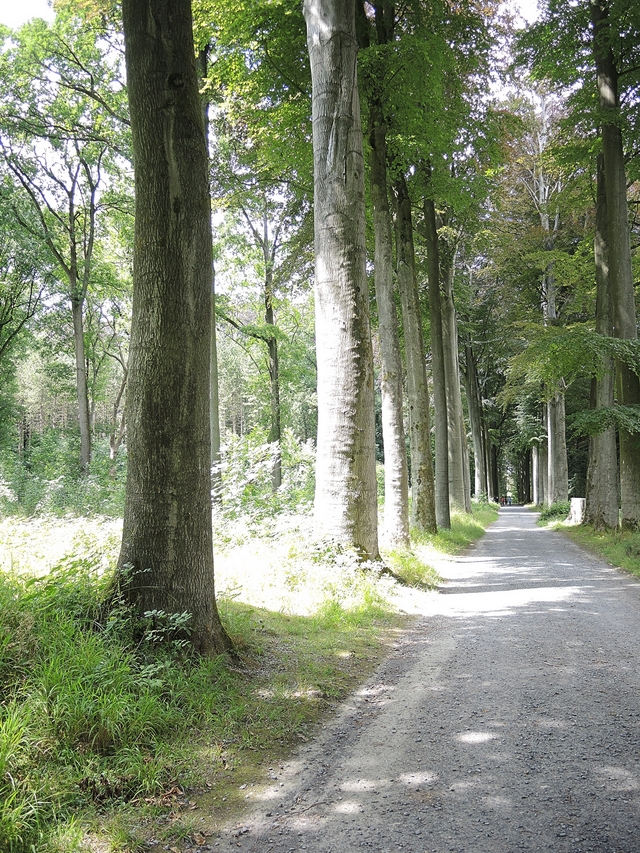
621 288
423 504
601 506
166 560
346 491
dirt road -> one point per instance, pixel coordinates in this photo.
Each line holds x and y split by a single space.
508 719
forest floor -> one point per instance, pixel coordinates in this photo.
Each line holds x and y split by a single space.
507 717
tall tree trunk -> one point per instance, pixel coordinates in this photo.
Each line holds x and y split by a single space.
476 418
346 491
535 474
214 395
601 506
459 491
166 559
623 311
438 368
558 478
396 489
82 388
423 503
491 492
544 466
494 473
557 468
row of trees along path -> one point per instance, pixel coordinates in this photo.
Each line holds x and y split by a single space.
508 719
442 197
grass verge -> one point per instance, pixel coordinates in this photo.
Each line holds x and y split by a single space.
109 742
620 548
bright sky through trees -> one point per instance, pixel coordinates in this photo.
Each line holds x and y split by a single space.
528 9
15 14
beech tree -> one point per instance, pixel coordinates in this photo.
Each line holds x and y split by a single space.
601 504
592 48
396 490
346 492
166 559
621 284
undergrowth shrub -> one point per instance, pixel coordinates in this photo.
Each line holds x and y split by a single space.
247 463
558 510
47 478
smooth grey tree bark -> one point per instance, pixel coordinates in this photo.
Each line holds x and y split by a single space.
459 478
423 489
346 491
396 488
396 478
438 368
166 559
621 285
476 419
601 505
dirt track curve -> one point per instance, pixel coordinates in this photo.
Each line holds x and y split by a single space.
508 719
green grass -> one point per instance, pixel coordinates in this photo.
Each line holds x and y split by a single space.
107 740
620 548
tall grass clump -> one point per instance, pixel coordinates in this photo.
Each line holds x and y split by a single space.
556 512
90 703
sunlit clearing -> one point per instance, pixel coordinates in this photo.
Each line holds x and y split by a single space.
475 737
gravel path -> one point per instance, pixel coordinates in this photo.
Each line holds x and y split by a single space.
508 719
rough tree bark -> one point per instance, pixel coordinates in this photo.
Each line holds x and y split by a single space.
423 491
346 491
621 287
166 559
601 506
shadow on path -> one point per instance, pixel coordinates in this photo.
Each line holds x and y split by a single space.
507 719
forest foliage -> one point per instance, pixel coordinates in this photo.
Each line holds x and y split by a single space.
492 134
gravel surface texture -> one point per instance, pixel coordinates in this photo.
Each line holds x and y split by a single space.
507 719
